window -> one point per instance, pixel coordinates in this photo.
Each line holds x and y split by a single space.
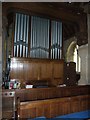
73 56
37 37
76 59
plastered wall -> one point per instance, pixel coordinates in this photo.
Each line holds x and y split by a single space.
83 53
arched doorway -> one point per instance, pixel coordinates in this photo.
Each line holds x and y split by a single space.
73 56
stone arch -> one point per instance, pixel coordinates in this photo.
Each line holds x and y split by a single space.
70 51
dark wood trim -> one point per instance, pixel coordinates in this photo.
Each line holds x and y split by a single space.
50 92
34 59
39 8
34 13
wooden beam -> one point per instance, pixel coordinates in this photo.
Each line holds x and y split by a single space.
40 8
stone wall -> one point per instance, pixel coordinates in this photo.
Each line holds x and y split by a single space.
88 16
66 45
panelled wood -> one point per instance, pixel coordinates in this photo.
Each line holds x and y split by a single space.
88 101
53 107
58 70
48 108
51 92
51 102
64 106
33 70
75 104
57 73
84 102
46 70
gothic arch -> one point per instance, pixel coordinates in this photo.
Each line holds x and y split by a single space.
70 51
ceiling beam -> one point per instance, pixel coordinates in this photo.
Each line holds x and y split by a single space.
41 8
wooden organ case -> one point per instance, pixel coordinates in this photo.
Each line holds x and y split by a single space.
37 70
51 101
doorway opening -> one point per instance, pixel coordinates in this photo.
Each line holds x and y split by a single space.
73 56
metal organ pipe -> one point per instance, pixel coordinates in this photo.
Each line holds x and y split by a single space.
38 41
31 37
56 40
34 40
24 37
39 38
15 37
18 35
60 40
39 44
21 38
27 36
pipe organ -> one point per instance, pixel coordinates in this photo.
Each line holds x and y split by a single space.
21 35
37 37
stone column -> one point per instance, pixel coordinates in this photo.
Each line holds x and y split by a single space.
88 18
83 53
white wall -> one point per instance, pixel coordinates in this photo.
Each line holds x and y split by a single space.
83 53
